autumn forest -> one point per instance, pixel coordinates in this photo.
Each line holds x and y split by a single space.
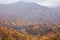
12 30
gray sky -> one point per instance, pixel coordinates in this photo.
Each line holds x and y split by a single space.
48 3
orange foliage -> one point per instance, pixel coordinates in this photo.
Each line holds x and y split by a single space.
11 34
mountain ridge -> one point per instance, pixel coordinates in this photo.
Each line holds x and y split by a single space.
27 11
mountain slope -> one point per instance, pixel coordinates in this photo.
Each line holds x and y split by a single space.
26 11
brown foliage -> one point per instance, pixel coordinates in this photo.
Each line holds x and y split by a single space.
11 34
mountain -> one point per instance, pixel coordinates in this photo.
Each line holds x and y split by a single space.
26 11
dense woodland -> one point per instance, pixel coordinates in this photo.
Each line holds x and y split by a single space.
9 31
11 34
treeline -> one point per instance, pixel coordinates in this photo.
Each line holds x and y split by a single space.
10 30
11 34
43 29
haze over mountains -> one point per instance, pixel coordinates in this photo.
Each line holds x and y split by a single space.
28 12
29 21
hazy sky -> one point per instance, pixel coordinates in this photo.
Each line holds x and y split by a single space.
48 3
